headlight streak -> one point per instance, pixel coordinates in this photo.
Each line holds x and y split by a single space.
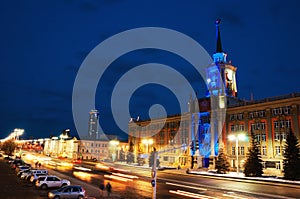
82 168
233 196
113 177
186 186
191 195
125 175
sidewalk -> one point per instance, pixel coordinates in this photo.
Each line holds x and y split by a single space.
11 187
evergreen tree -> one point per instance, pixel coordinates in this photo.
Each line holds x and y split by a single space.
151 159
130 155
122 155
140 160
222 164
291 161
253 165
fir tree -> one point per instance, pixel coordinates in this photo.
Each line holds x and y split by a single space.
140 160
222 164
151 159
122 155
130 155
291 161
253 164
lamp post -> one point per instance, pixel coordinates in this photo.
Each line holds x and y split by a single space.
147 142
236 138
114 144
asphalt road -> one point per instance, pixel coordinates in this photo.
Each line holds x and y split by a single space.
170 184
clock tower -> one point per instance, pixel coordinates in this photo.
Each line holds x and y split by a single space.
221 71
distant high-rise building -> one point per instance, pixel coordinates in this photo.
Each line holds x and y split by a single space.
93 124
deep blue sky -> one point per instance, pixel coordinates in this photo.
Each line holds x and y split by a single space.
43 43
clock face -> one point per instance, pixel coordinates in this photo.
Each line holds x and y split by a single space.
228 74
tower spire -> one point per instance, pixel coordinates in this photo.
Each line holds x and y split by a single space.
219 56
218 36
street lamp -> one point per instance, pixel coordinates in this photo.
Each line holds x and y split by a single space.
114 144
147 142
17 133
236 138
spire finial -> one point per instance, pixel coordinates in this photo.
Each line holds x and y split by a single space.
218 35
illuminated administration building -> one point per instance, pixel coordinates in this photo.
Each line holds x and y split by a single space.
270 119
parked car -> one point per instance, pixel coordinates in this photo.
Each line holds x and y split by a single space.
16 162
22 168
45 182
74 191
27 176
35 176
8 158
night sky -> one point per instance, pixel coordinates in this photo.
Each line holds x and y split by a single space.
43 44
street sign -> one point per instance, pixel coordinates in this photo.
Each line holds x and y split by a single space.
153 183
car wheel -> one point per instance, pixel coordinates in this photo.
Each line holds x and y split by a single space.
56 197
80 197
64 184
44 186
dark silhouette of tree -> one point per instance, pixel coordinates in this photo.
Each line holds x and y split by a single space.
253 164
130 155
151 159
122 155
140 160
8 147
291 161
222 164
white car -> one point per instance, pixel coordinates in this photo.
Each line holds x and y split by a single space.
45 182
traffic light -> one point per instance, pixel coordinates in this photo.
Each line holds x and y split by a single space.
192 147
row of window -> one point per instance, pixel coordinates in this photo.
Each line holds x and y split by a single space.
281 110
258 126
261 125
156 127
279 150
282 124
94 145
93 151
262 113
237 127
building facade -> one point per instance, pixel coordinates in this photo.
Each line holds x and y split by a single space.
270 120
90 149
93 132
61 147
210 120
